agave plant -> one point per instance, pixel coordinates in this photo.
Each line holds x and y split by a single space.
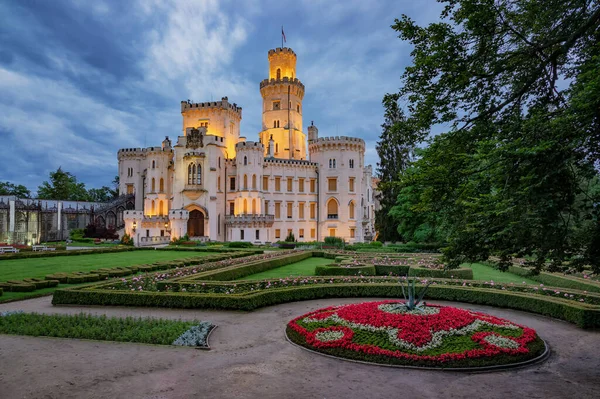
412 299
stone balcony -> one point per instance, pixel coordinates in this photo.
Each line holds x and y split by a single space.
249 220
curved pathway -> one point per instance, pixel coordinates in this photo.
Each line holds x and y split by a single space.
251 359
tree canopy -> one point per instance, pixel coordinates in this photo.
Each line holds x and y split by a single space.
518 82
64 186
7 188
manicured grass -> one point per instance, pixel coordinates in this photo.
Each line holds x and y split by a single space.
84 326
17 296
18 269
487 273
303 268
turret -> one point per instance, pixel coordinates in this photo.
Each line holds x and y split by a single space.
313 133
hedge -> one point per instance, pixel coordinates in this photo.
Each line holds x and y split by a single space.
335 270
396 270
1 291
557 280
239 271
585 316
52 254
461 273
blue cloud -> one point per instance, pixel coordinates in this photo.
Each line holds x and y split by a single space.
80 79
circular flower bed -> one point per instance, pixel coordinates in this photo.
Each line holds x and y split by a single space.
433 336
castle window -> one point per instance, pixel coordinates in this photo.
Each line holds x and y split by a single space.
241 234
351 184
245 182
298 108
313 210
232 184
219 223
313 185
289 184
245 160
277 233
153 185
253 182
300 185
130 189
351 210
277 210
276 106
232 208
278 184
332 163
266 207
301 210
265 183
332 184
152 208
161 185
352 232
351 162
257 234
254 206
332 209
301 233
219 183
313 233
245 206
219 162
199 175
153 164
278 73
190 175
331 232
289 209
161 208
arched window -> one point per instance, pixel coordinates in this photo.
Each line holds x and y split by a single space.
245 206
278 73
161 185
190 176
194 174
334 163
219 162
219 183
351 210
153 164
245 160
161 208
253 182
351 162
330 163
153 208
332 209
254 206
199 175
245 182
153 185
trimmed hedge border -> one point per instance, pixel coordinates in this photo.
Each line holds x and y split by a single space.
461 273
557 280
339 270
583 315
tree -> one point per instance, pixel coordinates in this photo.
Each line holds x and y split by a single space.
519 83
63 186
103 194
395 149
19 191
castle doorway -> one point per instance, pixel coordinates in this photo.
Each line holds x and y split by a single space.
195 227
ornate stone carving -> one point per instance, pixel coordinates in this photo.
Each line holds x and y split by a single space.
195 139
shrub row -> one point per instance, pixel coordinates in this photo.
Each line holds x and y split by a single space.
461 273
341 270
240 271
396 270
48 254
27 285
585 316
557 280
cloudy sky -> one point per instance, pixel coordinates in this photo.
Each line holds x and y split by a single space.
80 79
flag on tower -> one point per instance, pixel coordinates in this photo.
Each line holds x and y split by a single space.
283 34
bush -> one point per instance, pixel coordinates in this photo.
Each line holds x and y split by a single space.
290 237
76 234
334 242
337 270
461 273
127 240
557 280
240 244
395 270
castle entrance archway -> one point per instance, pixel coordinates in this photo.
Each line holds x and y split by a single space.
195 226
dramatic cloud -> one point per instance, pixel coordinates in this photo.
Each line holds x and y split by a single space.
80 80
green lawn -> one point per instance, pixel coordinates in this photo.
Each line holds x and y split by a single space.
488 273
18 269
305 267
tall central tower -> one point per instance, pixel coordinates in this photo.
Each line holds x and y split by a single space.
282 97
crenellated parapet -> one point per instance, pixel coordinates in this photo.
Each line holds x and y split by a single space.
211 105
337 143
250 146
280 86
289 162
141 153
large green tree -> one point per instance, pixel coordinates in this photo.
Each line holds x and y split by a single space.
519 82
63 186
20 191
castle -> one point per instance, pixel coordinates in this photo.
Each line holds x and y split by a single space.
213 184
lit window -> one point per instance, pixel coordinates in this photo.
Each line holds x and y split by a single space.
289 184
332 184
351 184
289 210
278 184
313 233
265 183
301 233
300 185
277 233
232 184
277 210
301 210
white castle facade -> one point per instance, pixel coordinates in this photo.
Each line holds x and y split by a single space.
212 184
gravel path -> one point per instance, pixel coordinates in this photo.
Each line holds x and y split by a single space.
251 359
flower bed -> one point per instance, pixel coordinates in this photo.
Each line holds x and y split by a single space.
434 336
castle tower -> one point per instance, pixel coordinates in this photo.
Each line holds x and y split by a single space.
282 97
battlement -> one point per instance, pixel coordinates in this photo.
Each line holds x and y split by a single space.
284 161
223 104
284 80
249 145
144 151
281 51
341 139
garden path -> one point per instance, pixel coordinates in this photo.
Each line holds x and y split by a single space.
252 359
